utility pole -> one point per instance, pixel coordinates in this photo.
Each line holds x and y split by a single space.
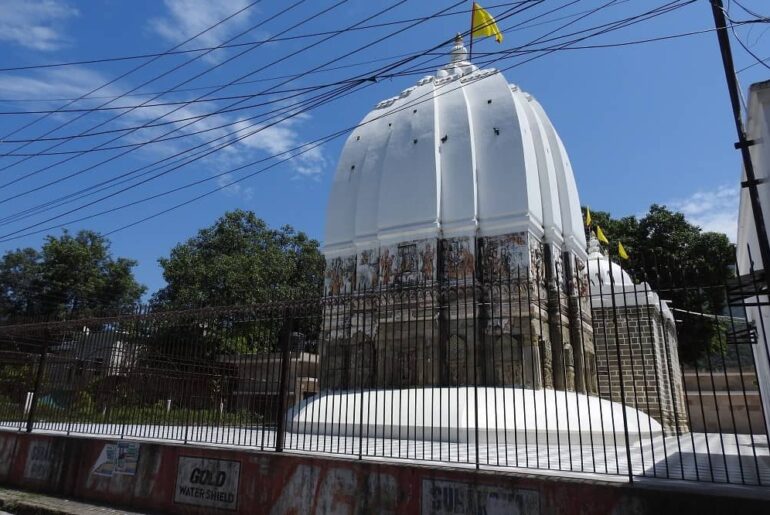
743 143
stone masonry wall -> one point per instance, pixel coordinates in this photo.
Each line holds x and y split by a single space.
648 373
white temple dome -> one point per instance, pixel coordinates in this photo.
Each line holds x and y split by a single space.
461 153
602 271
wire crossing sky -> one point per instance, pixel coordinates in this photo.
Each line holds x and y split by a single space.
147 121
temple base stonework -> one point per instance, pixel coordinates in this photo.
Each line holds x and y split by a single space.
497 311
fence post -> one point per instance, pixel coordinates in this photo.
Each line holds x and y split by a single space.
284 340
36 390
621 377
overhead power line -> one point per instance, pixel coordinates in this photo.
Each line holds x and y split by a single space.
138 67
230 105
618 24
239 137
122 178
518 27
198 197
173 69
238 45
308 88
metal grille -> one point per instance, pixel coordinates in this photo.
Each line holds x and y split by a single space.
545 370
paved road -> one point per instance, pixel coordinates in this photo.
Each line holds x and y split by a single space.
20 503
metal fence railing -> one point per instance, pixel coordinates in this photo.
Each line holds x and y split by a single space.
583 370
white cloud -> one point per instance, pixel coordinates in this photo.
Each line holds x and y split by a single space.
270 140
55 83
186 18
715 210
281 138
35 24
237 189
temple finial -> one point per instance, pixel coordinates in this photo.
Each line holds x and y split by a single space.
459 53
593 245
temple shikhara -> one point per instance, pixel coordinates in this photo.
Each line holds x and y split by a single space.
455 202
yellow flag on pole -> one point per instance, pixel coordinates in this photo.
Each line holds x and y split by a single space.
588 216
622 251
484 25
600 236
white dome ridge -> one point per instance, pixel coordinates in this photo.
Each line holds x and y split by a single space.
477 157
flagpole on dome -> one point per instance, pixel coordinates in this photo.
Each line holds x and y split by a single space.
470 46
486 28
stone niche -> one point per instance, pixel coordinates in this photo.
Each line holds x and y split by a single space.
503 310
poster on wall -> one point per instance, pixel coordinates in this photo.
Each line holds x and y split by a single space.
453 498
40 460
117 458
207 482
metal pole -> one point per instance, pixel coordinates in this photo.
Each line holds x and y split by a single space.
36 391
285 339
743 144
621 377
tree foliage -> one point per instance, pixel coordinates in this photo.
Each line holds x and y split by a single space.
240 260
665 240
685 264
68 275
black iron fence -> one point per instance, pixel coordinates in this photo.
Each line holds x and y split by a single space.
582 369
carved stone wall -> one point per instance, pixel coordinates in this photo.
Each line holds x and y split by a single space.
495 311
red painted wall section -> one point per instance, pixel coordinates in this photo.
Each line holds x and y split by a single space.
183 479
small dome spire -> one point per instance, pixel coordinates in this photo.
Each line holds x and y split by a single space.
459 53
458 62
594 249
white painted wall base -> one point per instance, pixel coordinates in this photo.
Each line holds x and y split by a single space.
450 414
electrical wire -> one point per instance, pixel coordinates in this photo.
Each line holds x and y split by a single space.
515 28
173 69
136 68
618 24
541 36
68 198
235 103
228 143
237 45
192 200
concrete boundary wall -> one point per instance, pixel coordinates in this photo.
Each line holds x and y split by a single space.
171 478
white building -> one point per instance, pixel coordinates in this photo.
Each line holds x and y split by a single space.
461 155
459 178
758 131
462 184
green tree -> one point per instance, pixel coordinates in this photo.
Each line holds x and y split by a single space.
69 275
240 260
684 263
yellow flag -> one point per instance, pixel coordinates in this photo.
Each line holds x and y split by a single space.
600 235
622 251
588 216
484 24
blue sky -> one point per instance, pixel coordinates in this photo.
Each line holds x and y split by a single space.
643 123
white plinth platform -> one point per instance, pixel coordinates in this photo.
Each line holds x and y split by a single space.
463 414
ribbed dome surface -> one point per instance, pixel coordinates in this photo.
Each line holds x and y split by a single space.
462 153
